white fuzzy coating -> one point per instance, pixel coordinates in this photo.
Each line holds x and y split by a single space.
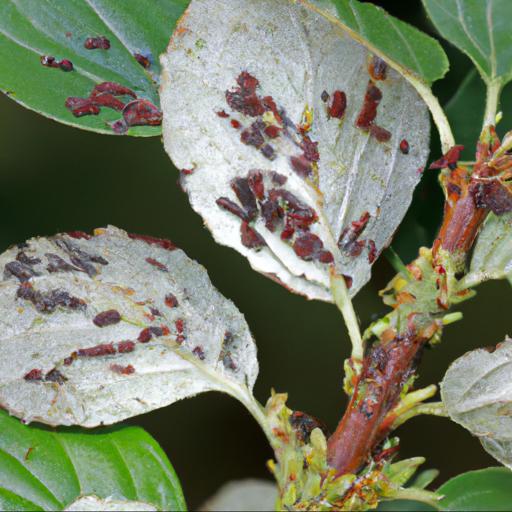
165 369
295 54
477 393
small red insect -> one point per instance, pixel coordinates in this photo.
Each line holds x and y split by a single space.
338 105
94 43
144 61
404 146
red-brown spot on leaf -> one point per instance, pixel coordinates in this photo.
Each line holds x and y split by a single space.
231 207
235 124
222 114
55 376
112 88
378 68
142 113
372 251
338 104
109 317
308 246
171 301
255 180
379 133
245 195
105 349
143 60
404 146
153 240
368 112
122 370
79 235
250 238
273 131
124 347
301 165
199 353
145 335
244 98
66 65
97 43
34 375
157 264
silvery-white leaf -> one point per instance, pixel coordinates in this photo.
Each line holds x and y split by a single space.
94 330
251 88
492 257
477 393
244 496
93 503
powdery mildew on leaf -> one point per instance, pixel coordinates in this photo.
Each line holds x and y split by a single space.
492 257
289 147
94 330
93 503
477 393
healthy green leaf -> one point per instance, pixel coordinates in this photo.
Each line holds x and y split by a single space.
404 505
399 43
477 393
96 329
339 192
481 29
30 29
481 490
41 469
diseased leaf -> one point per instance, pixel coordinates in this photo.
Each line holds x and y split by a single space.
477 393
481 29
400 43
32 29
292 153
492 256
41 469
484 489
97 329
93 503
243 495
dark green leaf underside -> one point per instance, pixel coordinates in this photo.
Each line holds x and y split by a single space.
481 29
486 489
41 469
402 43
32 28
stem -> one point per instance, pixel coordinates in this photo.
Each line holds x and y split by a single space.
396 262
342 300
491 106
440 119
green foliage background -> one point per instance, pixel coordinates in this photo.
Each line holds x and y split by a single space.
54 178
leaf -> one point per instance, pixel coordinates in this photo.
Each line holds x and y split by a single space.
30 29
93 503
244 109
98 329
243 495
402 45
492 256
484 489
481 29
477 393
405 505
41 469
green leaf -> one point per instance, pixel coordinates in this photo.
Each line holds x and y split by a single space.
481 29
32 28
41 469
465 111
405 505
397 42
485 489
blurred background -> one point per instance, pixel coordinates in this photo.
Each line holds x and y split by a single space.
54 178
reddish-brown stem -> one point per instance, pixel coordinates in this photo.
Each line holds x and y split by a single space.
386 369
389 364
